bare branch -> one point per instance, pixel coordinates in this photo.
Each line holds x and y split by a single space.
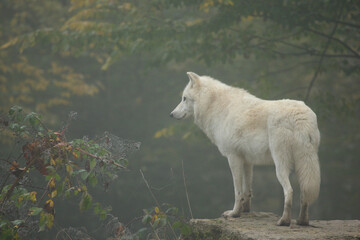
306 51
286 69
186 191
289 91
322 57
341 22
99 158
335 39
148 186
281 40
157 203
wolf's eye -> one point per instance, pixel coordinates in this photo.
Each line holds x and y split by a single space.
184 98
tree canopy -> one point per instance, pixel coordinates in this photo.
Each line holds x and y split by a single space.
323 35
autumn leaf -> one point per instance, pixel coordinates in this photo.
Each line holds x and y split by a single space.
157 210
69 169
50 220
49 207
50 203
33 196
52 183
53 194
20 199
75 155
14 165
9 43
52 162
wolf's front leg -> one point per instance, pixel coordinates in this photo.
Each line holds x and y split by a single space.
247 172
236 165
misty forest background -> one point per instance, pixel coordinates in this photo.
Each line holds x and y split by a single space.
121 65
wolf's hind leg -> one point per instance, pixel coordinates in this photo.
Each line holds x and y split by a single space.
247 186
280 143
303 216
282 174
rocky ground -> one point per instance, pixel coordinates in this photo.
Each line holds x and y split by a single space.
262 225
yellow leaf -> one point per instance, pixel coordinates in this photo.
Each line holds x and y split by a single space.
69 169
52 183
165 132
49 220
21 198
52 162
158 134
53 194
75 155
50 203
157 210
33 196
106 65
9 43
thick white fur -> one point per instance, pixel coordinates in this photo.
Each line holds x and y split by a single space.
251 131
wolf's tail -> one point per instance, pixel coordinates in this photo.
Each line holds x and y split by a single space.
307 167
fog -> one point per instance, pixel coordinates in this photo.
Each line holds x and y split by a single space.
121 66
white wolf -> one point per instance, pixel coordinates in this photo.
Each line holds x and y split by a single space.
251 131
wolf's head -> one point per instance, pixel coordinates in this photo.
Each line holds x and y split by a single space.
185 108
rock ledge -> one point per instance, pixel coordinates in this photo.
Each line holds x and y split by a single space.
262 225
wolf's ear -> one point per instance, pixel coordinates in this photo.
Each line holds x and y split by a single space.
194 78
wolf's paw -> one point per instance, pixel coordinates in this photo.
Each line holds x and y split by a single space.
231 213
283 222
302 222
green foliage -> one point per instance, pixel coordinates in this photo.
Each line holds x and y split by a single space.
48 153
35 211
184 228
86 201
167 224
209 30
323 33
8 233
